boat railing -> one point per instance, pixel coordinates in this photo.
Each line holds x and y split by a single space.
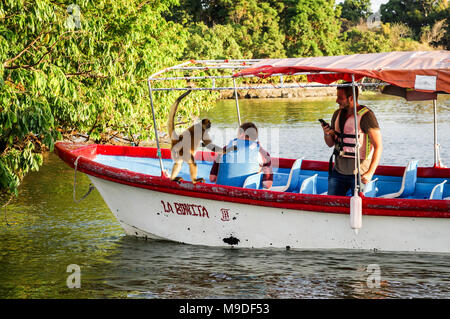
225 70
227 65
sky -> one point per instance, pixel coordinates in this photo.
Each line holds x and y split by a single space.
375 4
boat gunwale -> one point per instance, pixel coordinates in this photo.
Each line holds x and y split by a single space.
403 207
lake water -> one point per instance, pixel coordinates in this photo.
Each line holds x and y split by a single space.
43 231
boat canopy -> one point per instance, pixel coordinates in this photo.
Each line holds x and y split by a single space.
414 75
423 71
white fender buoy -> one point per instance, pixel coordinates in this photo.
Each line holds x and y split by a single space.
356 212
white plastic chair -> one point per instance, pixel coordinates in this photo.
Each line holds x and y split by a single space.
253 181
309 185
438 191
370 189
408 181
293 179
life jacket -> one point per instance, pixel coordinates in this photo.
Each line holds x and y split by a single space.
345 144
346 141
236 166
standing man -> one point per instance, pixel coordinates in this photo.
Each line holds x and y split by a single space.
341 135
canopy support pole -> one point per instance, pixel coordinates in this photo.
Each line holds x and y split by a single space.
237 102
355 114
437 159
156 130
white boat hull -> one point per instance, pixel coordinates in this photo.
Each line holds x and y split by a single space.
197 221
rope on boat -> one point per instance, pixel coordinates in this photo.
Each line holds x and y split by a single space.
91 186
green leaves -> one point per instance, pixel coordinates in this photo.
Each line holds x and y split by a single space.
15 164
356 10
260 29
366 41
419 15
89 79
311 28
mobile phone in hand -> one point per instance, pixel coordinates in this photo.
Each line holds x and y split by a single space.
324 124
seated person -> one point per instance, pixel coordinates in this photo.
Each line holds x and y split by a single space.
247 158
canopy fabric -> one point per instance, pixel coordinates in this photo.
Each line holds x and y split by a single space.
426 71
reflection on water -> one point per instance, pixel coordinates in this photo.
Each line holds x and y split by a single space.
201 272
47 231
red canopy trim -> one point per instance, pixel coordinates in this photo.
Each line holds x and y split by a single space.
425 71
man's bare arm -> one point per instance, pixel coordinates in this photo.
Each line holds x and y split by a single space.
377 142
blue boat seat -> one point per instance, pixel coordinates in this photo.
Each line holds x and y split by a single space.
322 184
438 191
408 182
370 189
253 181
309 185
293 179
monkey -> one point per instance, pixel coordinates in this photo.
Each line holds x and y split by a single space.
183 146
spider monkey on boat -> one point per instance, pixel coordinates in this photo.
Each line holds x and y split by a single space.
183 146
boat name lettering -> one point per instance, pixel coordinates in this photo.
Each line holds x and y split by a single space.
225 214
185 209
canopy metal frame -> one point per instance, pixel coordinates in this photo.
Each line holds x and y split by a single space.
235 65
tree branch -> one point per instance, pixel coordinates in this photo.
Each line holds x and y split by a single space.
50 49
87 74
24 50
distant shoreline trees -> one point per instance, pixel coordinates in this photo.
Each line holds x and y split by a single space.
292 28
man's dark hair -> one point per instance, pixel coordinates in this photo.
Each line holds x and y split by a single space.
250 131
348 90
